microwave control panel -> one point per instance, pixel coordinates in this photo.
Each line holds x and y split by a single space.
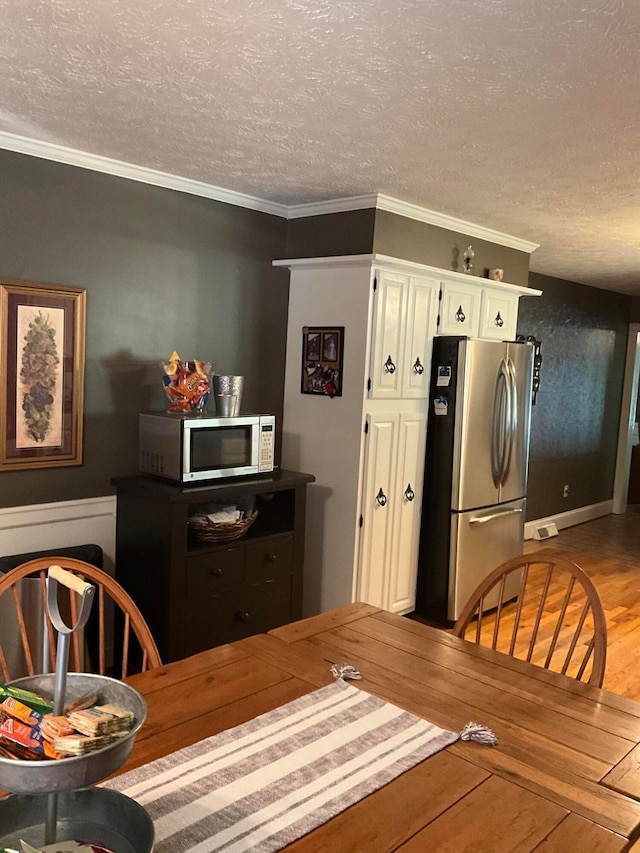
267 447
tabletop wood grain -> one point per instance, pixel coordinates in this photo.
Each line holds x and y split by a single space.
564 775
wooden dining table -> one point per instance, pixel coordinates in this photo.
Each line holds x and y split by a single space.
564 776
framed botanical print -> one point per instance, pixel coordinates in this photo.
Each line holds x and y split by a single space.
41 375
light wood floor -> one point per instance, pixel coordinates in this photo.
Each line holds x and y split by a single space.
608 549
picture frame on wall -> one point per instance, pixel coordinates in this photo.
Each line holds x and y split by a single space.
42 355
322 357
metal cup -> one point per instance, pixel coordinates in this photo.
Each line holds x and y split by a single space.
225 405
228 386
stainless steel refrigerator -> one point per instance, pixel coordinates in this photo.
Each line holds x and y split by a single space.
475 483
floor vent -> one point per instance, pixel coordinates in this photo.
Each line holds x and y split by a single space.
545 531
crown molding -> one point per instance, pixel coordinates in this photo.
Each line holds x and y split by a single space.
121 169
379 201
412 211
451 223
334 205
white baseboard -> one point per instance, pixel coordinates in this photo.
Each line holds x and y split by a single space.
571 517
24 529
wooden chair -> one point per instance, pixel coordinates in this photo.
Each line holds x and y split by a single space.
116 628
557 622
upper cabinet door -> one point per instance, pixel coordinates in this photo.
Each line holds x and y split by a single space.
460 309
405 321
499 315
388 345
421 326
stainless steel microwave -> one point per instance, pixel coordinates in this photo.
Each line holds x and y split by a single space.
190 449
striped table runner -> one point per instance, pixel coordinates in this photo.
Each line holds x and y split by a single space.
268 782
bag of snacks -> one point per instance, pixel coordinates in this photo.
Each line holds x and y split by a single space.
187 384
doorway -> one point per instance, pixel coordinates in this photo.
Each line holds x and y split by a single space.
627 436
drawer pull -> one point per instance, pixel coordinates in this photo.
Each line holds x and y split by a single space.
216 571
381 498
243 616
270 558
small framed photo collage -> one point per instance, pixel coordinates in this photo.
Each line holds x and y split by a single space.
322 354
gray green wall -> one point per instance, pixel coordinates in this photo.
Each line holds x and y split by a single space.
332 234
163 270
400 237
574 424
361 232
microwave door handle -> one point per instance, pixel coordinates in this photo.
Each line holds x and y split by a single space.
186 454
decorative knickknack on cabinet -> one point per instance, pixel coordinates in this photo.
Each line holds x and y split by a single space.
368 446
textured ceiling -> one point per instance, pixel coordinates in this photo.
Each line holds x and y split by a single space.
519 115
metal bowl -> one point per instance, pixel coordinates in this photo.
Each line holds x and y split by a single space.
95 815
66 774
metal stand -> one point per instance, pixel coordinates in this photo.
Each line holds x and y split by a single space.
87 592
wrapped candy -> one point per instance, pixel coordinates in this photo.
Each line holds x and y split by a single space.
187 384
27 697
19 711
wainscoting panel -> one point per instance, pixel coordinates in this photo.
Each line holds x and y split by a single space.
24 529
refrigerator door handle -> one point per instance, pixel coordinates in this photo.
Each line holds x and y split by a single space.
511 418
499 426
483 519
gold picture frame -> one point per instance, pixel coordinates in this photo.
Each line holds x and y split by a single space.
42 358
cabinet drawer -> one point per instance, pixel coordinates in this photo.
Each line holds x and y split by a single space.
266 560
251 609
215 572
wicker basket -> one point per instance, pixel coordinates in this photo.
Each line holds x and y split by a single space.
208 531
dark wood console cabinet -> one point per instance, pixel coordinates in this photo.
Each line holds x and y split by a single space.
196 595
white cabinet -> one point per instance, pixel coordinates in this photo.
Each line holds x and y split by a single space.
394 461
405 312
378 506
400 588
498 315
479 308
460 309
366 447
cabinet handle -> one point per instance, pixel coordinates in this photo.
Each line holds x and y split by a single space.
381 498
389 366
270 558
460 315
418 367
409 493
243 615
215 571
499 321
